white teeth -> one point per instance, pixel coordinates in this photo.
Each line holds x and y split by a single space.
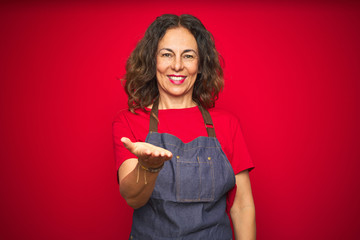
176 78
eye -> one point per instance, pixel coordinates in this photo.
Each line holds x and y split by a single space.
166 54
188 56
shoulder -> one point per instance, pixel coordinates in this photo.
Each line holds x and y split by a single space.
137 123
227 125
132 125
223 116
124 115
121 114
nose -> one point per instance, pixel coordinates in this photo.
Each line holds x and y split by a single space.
177 64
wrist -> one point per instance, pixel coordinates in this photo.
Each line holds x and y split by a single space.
151 169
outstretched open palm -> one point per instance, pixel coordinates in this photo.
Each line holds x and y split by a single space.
149 155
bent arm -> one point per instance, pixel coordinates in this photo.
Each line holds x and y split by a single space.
243 210
137 184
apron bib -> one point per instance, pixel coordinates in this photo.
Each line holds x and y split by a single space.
189 198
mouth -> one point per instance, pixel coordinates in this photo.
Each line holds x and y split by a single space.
176 79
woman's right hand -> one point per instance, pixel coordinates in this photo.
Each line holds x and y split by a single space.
135 188
148 155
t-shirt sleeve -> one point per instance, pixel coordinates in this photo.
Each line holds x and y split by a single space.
241 159
121 128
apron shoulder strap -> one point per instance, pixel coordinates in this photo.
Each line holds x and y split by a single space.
208 121
154 117
206 116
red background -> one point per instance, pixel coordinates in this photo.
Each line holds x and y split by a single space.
292 77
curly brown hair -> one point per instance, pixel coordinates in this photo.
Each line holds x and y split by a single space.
140 78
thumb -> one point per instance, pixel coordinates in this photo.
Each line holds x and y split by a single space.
127 143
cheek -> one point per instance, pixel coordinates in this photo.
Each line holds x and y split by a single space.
160 67
193 68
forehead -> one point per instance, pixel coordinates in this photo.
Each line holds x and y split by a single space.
178 38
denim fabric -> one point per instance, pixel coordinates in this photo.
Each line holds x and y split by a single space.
189 198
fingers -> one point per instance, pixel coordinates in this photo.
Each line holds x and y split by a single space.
162 153
157 153
147 151
156 158
167 154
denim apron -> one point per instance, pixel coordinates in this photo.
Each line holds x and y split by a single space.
189 198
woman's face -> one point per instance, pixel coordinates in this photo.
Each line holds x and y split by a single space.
177 63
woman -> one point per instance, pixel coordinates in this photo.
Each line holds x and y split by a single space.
174 170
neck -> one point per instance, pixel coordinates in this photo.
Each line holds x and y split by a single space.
175 103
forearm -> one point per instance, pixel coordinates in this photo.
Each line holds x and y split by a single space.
244 222
243 210
136 183
137 186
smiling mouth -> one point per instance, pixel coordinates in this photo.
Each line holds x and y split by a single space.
177 79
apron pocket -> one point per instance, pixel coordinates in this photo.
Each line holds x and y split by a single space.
195 180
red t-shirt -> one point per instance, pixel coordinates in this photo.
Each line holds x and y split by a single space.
186 124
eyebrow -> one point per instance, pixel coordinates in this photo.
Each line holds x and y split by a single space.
185 51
